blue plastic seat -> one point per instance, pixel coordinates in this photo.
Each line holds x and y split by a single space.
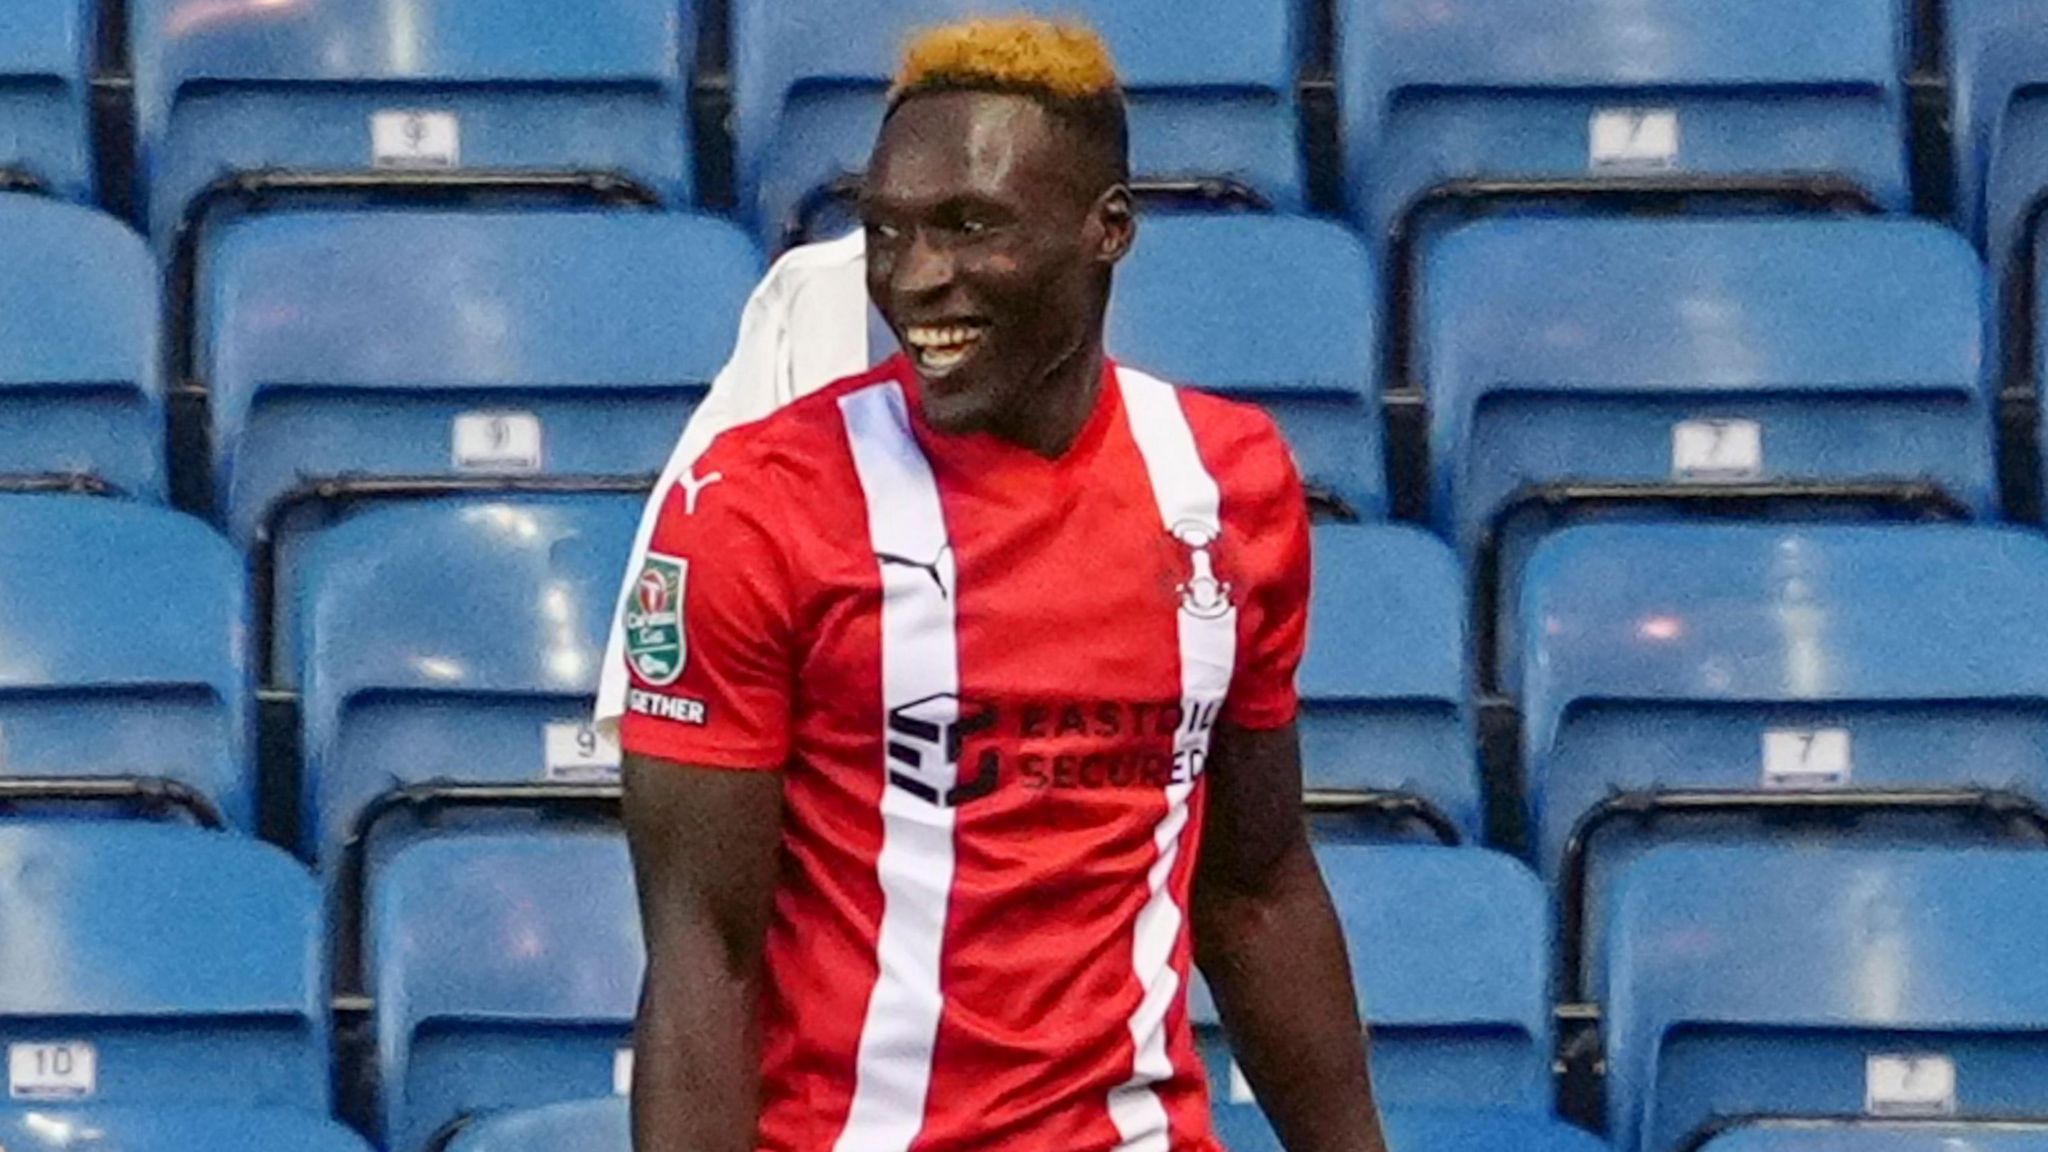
466 1023
1383 686
1883 1136
1753 657
125 628
46 93
1797 353
1800 981
551 345
1998 65
443 641
1276 310
526 85
188 961
1450 952
598 1125
80 389
1433 91
1211 86
173 1129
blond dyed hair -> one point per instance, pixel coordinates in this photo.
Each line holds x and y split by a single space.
1061 61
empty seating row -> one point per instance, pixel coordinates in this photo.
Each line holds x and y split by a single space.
1431 93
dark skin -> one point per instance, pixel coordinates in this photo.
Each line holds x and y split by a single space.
986 215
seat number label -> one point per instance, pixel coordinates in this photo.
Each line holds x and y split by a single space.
63 1071
415 140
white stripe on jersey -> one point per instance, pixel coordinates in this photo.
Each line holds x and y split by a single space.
1190 505
920 674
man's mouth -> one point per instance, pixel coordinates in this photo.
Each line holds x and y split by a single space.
940 349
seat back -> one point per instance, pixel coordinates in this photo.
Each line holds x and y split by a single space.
46 93
1274 310
453 642
175 1129
146 675
1434 91
80 390
145 964
1787 980
1883 1136
506 348
1384 682
1777 658
354 86
1998 69
1450 952
1210 83
600 1125
466 1025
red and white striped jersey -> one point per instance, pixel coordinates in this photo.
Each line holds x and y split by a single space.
989 679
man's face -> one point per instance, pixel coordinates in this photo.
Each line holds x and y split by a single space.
988 250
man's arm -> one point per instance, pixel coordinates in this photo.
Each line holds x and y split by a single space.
1266 937
706 843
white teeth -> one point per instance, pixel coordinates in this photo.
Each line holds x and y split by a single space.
953 337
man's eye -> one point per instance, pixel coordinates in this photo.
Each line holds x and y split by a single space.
887 232
972 227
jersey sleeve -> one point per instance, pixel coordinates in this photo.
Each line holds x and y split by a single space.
1270 517
709 640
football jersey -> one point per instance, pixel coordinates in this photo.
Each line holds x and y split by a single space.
989 679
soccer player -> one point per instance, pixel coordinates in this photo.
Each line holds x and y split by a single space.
961 707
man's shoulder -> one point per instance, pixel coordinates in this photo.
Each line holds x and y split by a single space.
1238 441
802 434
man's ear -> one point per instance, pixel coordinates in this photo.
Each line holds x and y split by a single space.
1116 221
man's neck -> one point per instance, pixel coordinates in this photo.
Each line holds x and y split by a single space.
1061 404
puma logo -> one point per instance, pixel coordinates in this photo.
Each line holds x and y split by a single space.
936 568
693 487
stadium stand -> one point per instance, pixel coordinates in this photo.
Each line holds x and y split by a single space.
46 96
125 625
1778 659
1456 985
81 394
1383 685
1883 1136
1649 369
453 642
530 350
1437 91
348 88
173 1129
1214 101
506 968
152 965
1275 310
1786 981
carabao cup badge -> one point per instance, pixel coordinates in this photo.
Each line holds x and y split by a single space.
654 620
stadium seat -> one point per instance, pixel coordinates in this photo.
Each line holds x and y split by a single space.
1865 1135
597 1125
1691 354
1211 86
46 94
1450 950
1435 91
1998 67
155 965
1799 981
1776 658
361 86
80 389
124 626
173 1129
1383 686
506 968
1275 310
453 642
505 348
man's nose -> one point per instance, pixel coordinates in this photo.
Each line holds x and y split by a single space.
923 269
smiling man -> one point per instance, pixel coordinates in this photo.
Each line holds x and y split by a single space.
961 719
